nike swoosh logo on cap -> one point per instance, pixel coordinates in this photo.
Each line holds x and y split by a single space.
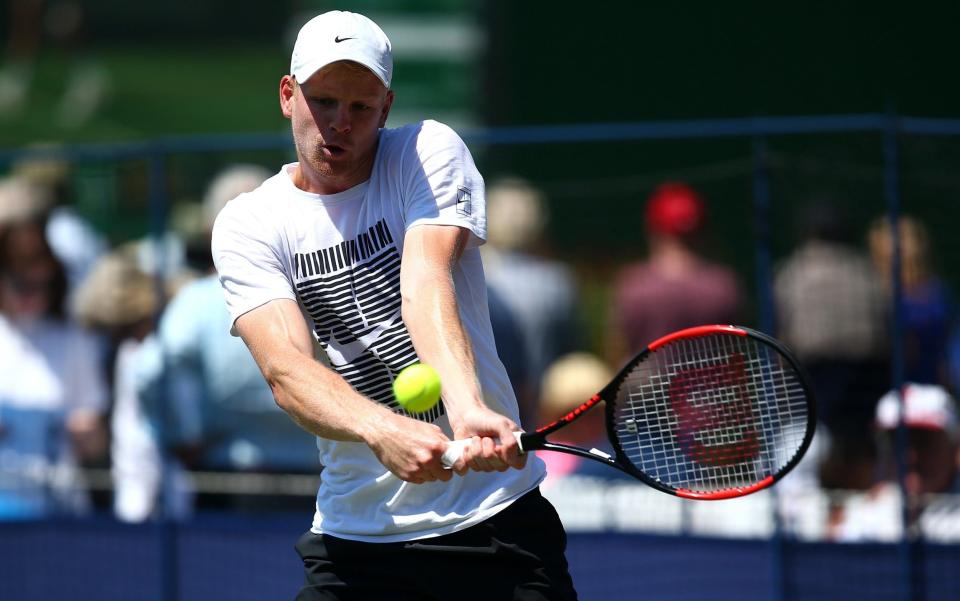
338 39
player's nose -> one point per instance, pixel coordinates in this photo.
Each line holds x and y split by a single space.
340 119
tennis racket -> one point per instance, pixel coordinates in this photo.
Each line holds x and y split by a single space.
711 412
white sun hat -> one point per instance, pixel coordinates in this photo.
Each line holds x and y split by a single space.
926 406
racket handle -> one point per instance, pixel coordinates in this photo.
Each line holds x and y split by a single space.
456 447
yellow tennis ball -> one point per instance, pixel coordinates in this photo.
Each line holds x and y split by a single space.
417 388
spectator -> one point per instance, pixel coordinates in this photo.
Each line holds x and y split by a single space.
582 490
21 200
930 418
120 301
52 394
927 304
540 293
75 242
569 382
511 345
832 312
674 287
226 410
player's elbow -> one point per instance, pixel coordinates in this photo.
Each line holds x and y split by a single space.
286 401
282 400
277 375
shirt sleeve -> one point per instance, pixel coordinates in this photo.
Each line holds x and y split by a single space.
247 257
442 183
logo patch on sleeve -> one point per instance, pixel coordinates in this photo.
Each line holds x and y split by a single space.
464 206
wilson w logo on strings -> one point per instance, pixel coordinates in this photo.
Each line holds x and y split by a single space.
716 424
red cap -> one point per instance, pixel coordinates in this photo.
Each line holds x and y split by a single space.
674 209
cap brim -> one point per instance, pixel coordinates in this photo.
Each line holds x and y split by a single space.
307 71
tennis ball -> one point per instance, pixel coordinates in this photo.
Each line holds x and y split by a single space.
417 388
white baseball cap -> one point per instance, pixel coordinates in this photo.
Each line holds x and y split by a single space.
926 406
339 35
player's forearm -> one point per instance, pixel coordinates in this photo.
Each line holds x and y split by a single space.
321 402
432 317
325 404
316 397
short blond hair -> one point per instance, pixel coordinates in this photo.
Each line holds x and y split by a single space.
517 214
229 183
116 293
22 200
571 380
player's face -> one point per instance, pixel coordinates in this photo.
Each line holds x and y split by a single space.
336 116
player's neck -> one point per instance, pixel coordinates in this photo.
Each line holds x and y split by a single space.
672 256
315 182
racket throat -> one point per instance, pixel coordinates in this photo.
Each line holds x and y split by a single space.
593 454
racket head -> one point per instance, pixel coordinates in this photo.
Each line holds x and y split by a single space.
712 412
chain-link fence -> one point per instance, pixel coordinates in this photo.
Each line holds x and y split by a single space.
771 186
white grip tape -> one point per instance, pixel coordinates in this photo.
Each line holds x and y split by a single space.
456 447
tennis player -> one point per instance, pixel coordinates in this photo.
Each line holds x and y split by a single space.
369 245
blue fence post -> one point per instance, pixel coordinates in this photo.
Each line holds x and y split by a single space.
891 155
762 234
767 323
168 570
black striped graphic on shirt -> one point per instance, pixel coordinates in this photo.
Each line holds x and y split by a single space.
352 292
345 254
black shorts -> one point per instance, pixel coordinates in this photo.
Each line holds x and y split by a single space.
516 555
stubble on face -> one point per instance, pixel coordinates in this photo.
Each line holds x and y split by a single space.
335 119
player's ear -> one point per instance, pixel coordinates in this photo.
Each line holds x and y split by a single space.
288 88
388 102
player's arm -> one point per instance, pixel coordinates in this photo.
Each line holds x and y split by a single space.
431 314
324 403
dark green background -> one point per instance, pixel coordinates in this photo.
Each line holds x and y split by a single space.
185 66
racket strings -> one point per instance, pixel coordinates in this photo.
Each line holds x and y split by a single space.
711 413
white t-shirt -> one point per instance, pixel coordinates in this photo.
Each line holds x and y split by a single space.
338 255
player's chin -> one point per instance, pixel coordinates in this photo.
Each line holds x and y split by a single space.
327 165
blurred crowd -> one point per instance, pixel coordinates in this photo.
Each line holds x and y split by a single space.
119 356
